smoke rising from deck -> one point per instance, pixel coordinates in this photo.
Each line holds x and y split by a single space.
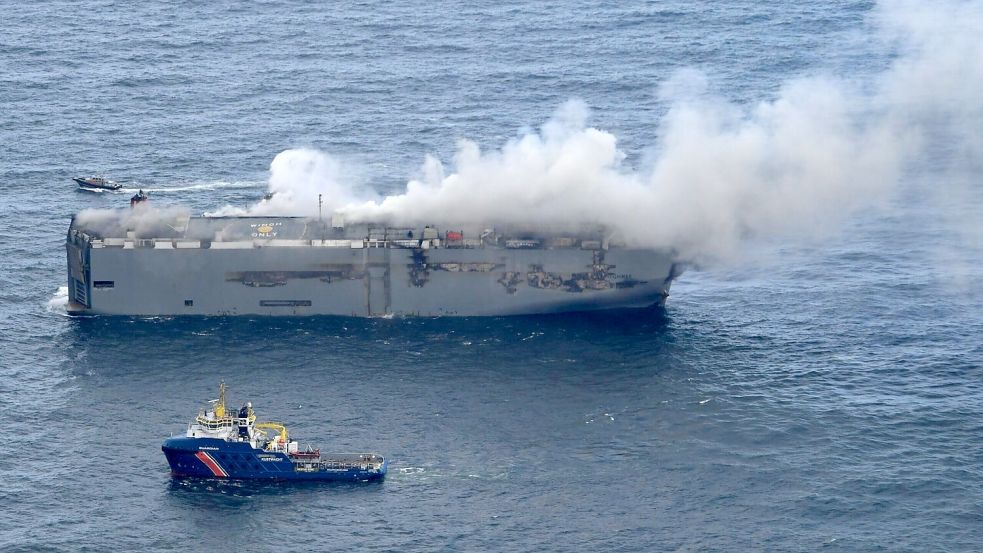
143 220
721 173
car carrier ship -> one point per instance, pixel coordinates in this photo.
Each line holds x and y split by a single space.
124 264
227 444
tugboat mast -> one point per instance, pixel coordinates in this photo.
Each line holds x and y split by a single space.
220 402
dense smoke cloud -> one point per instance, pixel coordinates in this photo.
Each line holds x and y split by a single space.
297 177
143 221
720 173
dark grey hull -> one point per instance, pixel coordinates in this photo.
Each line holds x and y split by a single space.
361 282
296 266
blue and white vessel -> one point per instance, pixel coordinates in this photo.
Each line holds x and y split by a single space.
224 444
96 183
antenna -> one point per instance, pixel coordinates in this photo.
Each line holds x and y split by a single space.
319 208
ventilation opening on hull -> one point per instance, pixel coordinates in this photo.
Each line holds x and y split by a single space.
285 303
104 284
81 294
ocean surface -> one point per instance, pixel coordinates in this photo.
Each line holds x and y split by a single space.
810 394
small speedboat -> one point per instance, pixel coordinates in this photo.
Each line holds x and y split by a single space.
97 183
138 198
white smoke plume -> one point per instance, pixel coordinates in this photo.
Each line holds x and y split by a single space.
297 177
145 221
933 92
720 173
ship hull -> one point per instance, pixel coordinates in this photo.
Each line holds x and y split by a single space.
93 185
381 282
214 458
173 277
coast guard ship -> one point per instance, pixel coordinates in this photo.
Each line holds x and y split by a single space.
224 444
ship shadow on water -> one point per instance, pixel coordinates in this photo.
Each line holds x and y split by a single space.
127 343
195 347
253 499
650 320
189 488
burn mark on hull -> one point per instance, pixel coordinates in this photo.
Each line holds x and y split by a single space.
598 278
510 280
417 269
420 268
265 279
455 267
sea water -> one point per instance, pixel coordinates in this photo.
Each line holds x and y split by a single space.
803 394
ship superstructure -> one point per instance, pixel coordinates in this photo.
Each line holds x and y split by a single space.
227 444
182 265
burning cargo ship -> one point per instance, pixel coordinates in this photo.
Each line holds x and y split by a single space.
184 265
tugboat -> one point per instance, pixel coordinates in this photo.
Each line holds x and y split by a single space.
97 183
223 444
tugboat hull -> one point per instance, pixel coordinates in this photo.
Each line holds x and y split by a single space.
215 458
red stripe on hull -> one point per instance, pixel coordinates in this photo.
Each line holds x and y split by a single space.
211 464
